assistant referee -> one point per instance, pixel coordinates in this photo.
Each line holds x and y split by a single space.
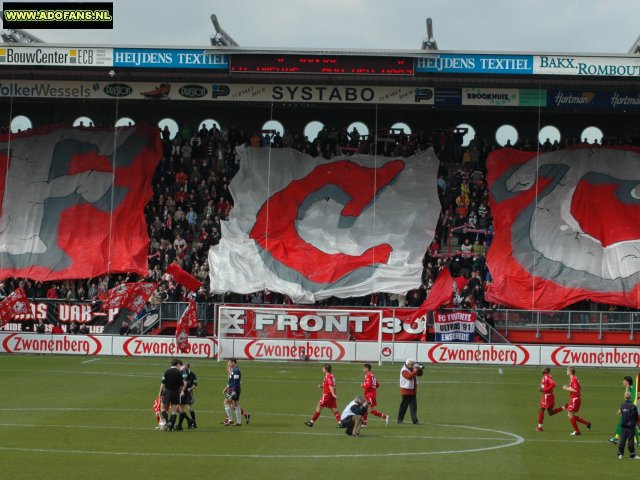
172 388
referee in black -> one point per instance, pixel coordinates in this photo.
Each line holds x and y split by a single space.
171 390
187 400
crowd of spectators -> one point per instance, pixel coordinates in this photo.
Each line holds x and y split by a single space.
192 198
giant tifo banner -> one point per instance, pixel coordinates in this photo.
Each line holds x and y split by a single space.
72 201
567 227
313 228
238 321
455 326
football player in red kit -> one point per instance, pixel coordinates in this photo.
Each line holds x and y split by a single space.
548 400
370 386
329 397
573 407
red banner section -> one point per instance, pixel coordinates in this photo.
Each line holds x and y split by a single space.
319 324
84 313
78 211
567 227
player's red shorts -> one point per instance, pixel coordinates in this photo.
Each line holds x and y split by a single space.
574 405
548 400
371 399
328 401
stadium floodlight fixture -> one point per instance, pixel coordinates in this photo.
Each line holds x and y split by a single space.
429 43
221 38
635 48
14 35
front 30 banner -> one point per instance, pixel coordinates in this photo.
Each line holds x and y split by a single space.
72 201
313 228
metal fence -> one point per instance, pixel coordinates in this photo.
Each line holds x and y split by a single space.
505 320
570 321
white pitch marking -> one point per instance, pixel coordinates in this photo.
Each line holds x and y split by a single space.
515 440
92 360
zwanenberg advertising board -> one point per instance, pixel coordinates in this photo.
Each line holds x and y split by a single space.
322 350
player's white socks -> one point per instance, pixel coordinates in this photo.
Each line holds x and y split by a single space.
238 414
227 410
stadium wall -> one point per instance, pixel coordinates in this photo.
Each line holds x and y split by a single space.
323 350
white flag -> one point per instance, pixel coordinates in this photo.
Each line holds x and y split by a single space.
313 228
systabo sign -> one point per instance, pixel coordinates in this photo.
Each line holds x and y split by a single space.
29 343
193 91
283 350
118 90
480 354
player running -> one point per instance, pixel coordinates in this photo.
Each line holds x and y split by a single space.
329 397
548 400
573 407
370 386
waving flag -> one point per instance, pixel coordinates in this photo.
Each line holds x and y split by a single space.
72 200
188 320
17 303
567 227
183 278
312 228
132 296
441 293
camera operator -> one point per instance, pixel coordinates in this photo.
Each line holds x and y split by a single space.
351 417
408 389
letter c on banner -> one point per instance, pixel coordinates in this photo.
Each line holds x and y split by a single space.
276 233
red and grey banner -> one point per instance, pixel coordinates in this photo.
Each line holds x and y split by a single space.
78 211
312 228
567 227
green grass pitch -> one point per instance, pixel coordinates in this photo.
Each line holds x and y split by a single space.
69 417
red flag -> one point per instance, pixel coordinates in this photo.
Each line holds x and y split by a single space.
440 294
17 303
79 210
131 296
189 319
183 278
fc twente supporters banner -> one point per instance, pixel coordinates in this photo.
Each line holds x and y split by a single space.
454 326
312 228
567 227
72 201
